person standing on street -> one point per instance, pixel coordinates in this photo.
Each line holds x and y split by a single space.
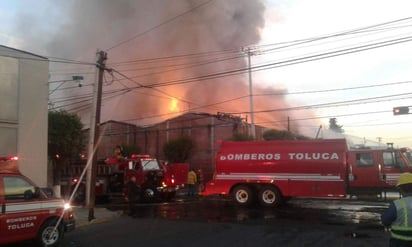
399 214
132 194
200 180
191 182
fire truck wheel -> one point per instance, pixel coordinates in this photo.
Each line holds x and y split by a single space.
50 234
148 194
269 196
242 195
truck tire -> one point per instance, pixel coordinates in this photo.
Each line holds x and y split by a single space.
148 194
242 195
269 196
50 235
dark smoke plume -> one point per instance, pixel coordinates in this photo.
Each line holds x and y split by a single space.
218 25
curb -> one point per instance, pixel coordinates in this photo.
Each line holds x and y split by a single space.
81 215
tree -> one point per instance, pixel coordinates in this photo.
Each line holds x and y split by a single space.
240 137
64 140
178 150
278 135
333 125
129 149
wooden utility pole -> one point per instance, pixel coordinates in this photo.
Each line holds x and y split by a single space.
94 135
252 114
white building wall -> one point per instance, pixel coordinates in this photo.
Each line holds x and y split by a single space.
32 113
33 119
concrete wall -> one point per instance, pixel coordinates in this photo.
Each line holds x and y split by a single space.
32 113
33 119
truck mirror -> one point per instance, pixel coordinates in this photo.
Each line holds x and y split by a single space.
130 165
28 195
37 192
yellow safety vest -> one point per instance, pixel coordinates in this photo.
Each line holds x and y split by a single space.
191 177
401 228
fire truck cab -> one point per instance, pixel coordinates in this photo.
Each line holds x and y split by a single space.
155 179
26 212
372 171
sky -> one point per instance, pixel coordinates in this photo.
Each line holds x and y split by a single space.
380 77
294 20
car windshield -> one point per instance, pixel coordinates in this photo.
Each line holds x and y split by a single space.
150 164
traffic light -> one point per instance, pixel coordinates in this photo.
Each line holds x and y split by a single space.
401 110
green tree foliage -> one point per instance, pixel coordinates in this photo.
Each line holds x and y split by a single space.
333 125
129 149
178 150
65 135
240 137
301 137
64 139
278 135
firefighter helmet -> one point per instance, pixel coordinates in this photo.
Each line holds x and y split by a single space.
404 178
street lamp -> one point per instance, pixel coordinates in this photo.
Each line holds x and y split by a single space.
76 78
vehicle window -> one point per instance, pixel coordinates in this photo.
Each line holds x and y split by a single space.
364 159
392 159
150 165
408 155
16 187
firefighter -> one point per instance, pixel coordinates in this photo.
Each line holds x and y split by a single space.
191 182
132 194
399 214
201 180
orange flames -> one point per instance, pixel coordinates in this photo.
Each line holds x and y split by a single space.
174 105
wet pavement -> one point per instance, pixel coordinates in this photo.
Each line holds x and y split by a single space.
308 210
101 215
218 222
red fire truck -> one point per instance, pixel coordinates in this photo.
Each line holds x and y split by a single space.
273 171
26 212
155 179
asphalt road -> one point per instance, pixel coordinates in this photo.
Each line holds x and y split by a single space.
215 222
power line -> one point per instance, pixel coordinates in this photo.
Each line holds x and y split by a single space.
337 34
283 63
335 89
159 25
271 65
322 117
114 92
331 104
260 47
256 68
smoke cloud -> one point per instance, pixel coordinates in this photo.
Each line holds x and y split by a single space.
206 31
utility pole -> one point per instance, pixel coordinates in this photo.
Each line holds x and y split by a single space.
94 135
252 117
